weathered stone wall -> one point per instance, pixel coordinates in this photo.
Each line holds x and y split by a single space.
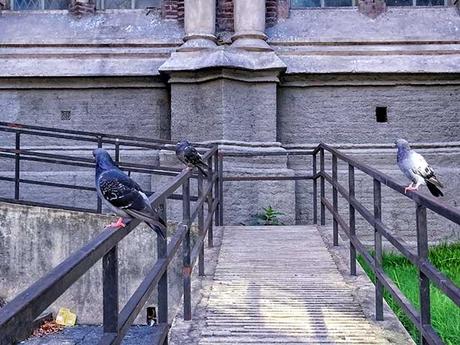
33 240
126 110
346 114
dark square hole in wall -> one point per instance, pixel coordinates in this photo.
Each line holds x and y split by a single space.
381 114
65 115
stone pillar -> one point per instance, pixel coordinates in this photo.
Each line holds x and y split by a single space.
249 18
199 23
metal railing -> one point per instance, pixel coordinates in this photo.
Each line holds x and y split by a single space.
24 308
428 274
16 318
18 154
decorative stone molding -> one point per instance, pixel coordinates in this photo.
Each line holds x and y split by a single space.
372 8
82 7
222 57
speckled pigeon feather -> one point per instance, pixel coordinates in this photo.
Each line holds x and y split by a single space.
123 195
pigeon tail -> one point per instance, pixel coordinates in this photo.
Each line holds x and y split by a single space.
203 167
433 189
433 180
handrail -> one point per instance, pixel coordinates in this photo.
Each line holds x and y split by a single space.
18 153
17 317
444 210
50 131
427 272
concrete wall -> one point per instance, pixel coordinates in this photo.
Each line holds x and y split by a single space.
140 106
33 240
346 114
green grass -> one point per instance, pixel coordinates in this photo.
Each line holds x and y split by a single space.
445 315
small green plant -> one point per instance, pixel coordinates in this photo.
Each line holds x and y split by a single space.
268 217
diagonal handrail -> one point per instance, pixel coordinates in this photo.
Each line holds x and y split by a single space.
427 272
17 316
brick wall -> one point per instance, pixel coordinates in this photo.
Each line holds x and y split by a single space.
173 9
225 14
271 16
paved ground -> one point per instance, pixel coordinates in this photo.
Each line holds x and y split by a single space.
267 285
90 335
278 285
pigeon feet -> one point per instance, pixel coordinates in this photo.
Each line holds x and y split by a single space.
118 224
410 187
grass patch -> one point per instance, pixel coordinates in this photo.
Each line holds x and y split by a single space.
445 315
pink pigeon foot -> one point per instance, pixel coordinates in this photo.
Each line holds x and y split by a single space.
118 224
411 188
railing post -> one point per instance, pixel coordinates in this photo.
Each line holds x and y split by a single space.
422 251
216 187
187 270
322 186
352 219
210 233
378 250
221 188
200 224
335 203
110 290
315 192
99 201
17 166
117 151
162 249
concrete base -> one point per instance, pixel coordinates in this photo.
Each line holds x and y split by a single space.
34 240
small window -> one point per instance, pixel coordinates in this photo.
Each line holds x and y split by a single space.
381 114
27 5
127 4
416 2
321 3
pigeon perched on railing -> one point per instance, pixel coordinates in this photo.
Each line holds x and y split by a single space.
124 196
188 155
415 167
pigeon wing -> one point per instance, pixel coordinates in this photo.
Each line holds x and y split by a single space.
118 189
123 193
420 167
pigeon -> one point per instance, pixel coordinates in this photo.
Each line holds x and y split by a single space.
415 167
188 155
124 196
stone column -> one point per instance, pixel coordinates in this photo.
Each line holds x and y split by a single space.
199 23
249 18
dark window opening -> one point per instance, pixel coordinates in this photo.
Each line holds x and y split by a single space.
381 114
65 115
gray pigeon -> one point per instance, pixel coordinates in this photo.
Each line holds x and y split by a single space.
188 155
415 167
124 196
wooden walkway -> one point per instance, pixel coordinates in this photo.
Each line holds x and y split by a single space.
279 285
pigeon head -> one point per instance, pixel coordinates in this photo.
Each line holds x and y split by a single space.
402 144
182 143
103 159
